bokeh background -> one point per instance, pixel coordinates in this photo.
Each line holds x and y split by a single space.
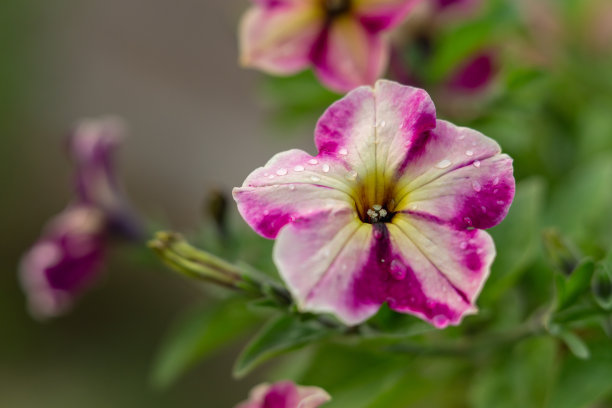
197 121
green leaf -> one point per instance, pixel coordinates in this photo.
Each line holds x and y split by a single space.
516 238
571 288
582 383
602 283
282 334
198 334
575 345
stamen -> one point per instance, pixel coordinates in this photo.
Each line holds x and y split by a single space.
378 214
337 7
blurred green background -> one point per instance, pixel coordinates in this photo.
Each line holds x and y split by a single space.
197 121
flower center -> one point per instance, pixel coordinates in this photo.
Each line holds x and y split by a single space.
335 8
378 214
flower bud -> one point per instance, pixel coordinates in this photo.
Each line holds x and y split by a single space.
601 286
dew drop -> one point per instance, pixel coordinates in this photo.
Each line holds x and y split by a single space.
266 212
463 245
377 234
461 136
500 202
468 220
382 124
484 209
469 152
291 187
298 168
443 164
313 161
351 175
477 163
315 178
440 321
476 186
496 181
271 176
382 260
326 168
281 172
397 269
343 151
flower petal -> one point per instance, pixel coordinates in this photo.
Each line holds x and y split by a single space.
372 130
290 186
457 175
285 394
347 55
333 263
378 15
278 37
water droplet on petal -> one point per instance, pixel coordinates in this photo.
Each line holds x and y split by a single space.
444 164
266 212
397 269
281 172
326 168
461 136
351 175
271 176
291 187
313 161
298 168
496 181
477 163
382 124
377 234
469 152
500 202
476 186
382 260
463 245
484 209
468 220
315 178
343 152
440 321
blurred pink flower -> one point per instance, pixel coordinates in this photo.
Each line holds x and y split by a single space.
65 261
68 257
390 210
285 394
343 40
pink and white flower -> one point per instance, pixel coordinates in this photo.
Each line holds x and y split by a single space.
343 40
285 394
392 209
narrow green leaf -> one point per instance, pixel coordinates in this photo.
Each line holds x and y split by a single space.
575 345
282 334
198 334
575 285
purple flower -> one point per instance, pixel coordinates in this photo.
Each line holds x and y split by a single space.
68 257
343 40
285 394
392 209
65 261
474 74
92 147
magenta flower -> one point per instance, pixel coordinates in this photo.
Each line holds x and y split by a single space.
65 261
343 40
390 210
475 73
285 394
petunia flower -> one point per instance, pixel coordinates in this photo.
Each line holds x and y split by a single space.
65 261
92 147
285 394
392 209
343 40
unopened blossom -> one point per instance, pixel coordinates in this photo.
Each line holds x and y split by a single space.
343 40
285 394
391 209
475 73
65 261
92 147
